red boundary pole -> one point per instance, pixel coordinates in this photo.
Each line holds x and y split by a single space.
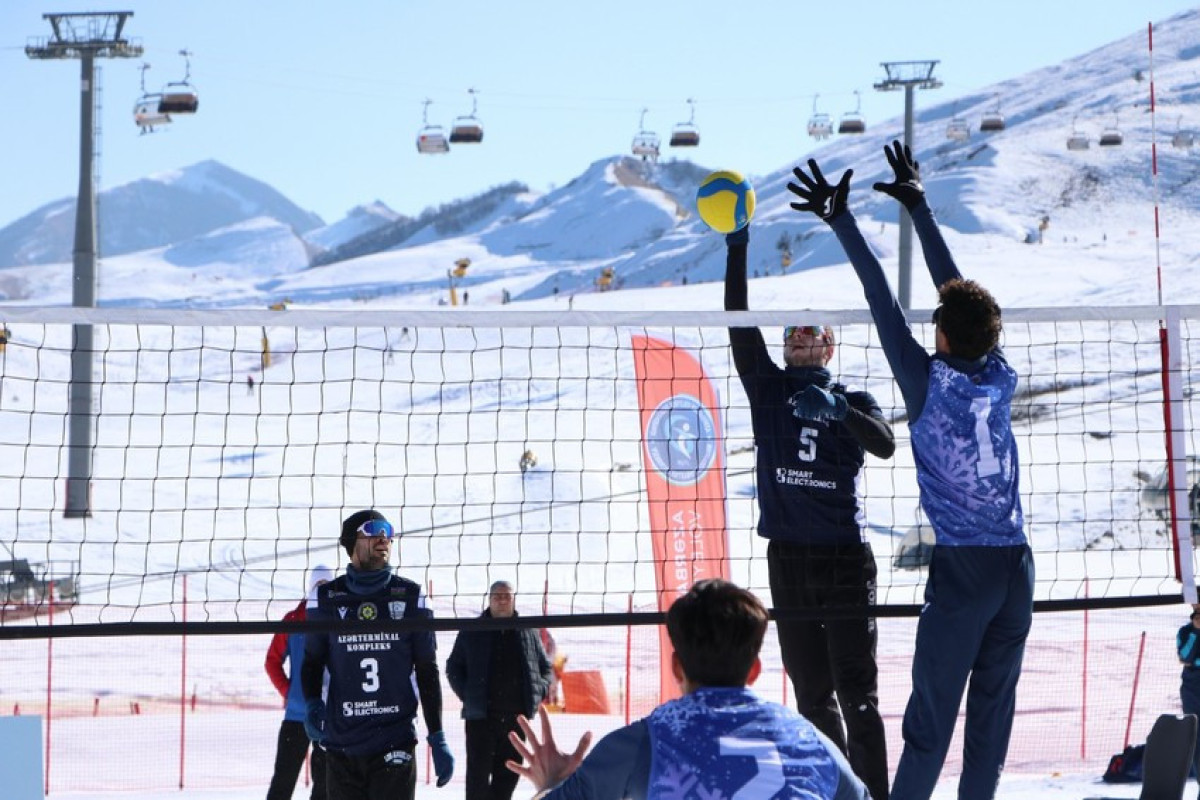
49 682
628 662
1083 705
183 687
1137 672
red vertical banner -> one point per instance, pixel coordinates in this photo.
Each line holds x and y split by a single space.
683 453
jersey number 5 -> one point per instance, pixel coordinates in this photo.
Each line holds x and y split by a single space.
808 444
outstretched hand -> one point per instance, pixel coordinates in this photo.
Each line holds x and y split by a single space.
819 197
906 187
544 766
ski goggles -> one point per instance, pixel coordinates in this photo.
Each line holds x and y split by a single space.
811 330
374 528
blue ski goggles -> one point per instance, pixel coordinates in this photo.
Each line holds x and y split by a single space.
374 528
811 330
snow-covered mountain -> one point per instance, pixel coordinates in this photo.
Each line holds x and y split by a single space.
159 210
637 218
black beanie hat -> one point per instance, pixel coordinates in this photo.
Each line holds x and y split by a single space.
351 525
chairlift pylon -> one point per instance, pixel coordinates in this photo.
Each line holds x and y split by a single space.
820 126
431 139
852 121
180 97
993 120
467 129
145 111
645 142
686 134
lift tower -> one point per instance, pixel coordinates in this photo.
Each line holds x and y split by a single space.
908 75
86 36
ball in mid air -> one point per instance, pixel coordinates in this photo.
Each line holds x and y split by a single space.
725 201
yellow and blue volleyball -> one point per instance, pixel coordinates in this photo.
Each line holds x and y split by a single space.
725 201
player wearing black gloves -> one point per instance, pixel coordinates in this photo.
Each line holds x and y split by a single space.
979 594
377 677
811 436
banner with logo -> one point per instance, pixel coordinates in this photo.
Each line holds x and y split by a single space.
683 452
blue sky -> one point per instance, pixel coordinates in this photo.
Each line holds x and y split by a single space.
323 100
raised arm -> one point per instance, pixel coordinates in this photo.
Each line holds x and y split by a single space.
909 361
907 189
750 356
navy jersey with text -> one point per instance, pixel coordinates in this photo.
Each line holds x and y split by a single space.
966 455
807 471
371 704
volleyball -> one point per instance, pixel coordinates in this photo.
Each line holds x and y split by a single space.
725 201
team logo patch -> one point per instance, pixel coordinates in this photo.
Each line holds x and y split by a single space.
397 758
396 609
681 439
368 611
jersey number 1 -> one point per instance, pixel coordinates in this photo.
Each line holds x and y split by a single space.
988 464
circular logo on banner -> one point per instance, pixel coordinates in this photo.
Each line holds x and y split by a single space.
681 439
367 611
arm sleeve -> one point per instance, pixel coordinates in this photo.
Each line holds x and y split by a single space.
429 688
909 361
750 356
456 666
938 259
316 654
276 655
619 761
865 421
1187 644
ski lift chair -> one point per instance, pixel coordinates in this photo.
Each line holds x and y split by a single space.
180 97
992 122
1111 137
431 139
1182 139
147 115
467 129
852 122
645 143
820 126
686 134
1077 140
145 111
957 130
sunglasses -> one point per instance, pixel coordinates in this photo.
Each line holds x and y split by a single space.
374 528
811 330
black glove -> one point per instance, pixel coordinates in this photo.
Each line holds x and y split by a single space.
826 201
818 404
740 236
907 186
314 720
443 759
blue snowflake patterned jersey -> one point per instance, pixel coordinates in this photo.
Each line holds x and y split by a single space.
966 455
720 744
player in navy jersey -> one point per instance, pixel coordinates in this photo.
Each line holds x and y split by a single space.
1187 645
811 436
717 740
367 723
979 593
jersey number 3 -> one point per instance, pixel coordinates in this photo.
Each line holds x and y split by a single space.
370 668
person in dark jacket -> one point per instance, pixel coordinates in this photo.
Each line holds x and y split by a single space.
288 648
811 437
499 675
